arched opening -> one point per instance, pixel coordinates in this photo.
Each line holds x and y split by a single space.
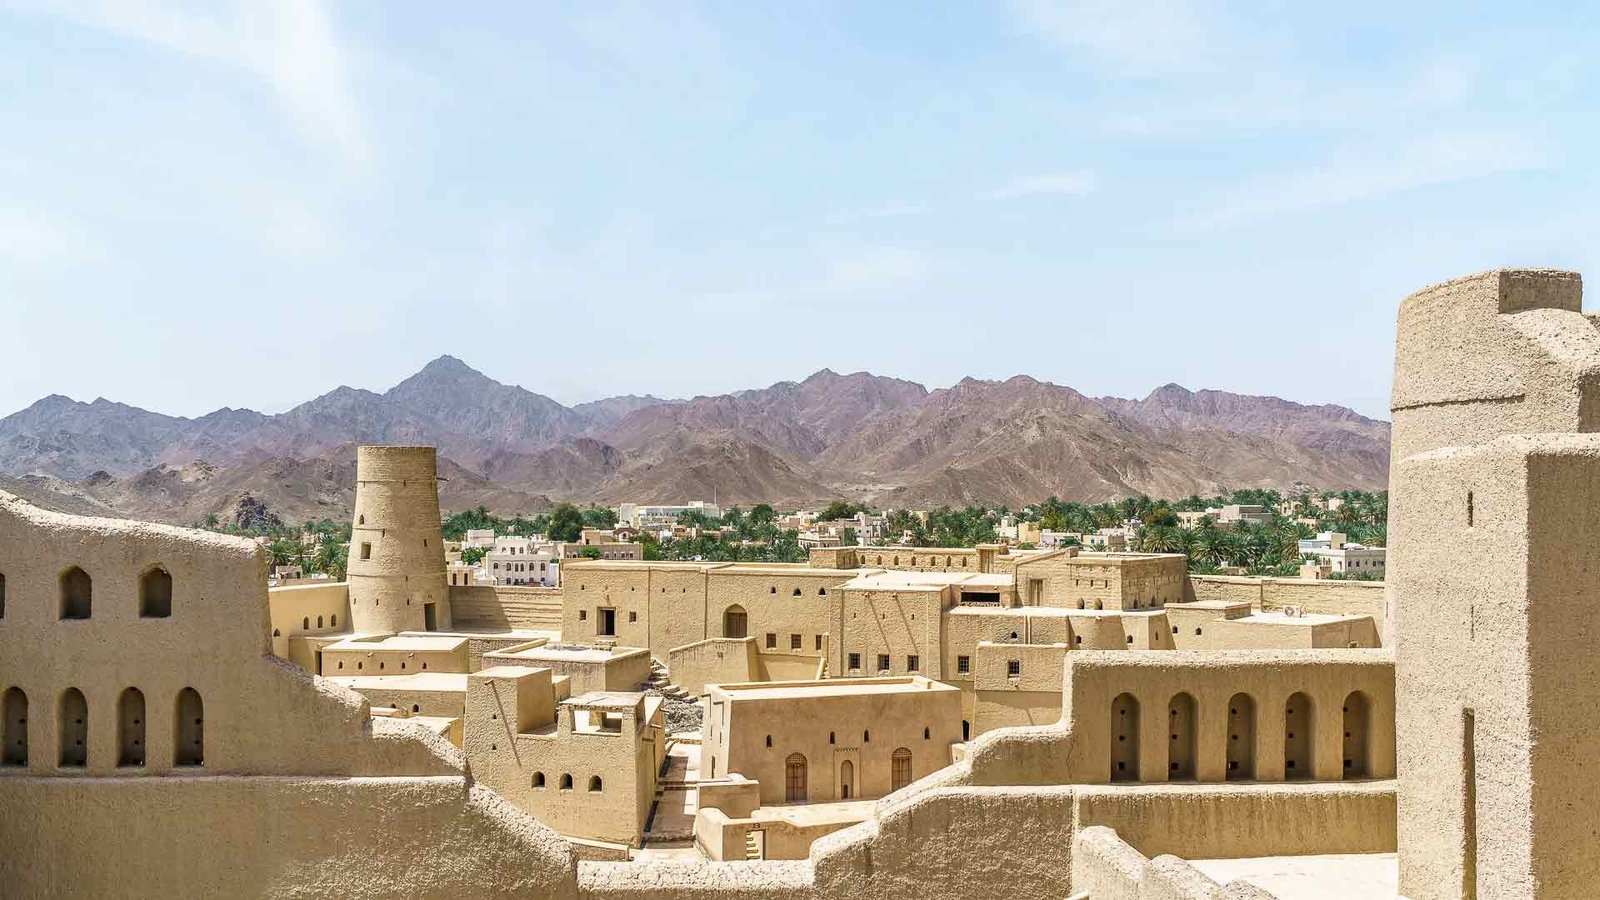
794 778
1241 738
1357 718
305 623
966 730
734 622
130 728
76 593
155 594
1298 715
15 752
1125 738
769 741
73 725
566 782
1180 738
594 784
899 768
188 730
796 592
319 621
847 780
334 622
538 779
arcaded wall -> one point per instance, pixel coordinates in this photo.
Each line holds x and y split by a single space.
261 714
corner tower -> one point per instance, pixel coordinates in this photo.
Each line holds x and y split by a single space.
1494 569
397 571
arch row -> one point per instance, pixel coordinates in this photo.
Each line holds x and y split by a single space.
1279 741
75 593
74 723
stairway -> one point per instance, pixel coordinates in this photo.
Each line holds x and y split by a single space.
752 845
659 683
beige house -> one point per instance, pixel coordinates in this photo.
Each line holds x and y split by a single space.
819 741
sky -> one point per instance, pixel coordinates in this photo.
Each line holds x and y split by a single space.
248 204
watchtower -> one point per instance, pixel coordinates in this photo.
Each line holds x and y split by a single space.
396 569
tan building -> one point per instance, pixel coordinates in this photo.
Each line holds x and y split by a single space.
819 741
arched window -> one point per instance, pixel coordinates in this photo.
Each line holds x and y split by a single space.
821 592
966 730
538 780
797 592
734 622
1357 729
319 621
794 778
1241 738
899 768
276 633
926 734
847 780
866 737
76 593
594 784
1125 738
188 730
830 737
72 724
15 709
334 622
773 589
1180 738
305 624
1298 716
566 782
155 594
769 741
130 728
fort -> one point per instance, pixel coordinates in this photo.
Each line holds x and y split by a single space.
891 722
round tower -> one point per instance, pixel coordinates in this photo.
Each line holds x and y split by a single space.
396 570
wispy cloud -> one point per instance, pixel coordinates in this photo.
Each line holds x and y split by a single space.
289 45
890 211
1422 161
1075 183
1138 34
29 238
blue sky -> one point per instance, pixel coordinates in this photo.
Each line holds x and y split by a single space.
248 204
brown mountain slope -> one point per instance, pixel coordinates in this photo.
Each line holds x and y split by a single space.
861 435
292 489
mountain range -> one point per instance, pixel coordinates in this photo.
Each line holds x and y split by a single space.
860 436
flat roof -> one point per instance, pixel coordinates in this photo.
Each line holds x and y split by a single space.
402 642
833 687
1306 619
1056 612
443 682
565 653
1331 876
605 700
901 580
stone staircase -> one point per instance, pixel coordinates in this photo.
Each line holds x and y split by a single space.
659 683
752 845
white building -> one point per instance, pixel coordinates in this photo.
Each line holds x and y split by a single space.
517 560
1331 549
641 515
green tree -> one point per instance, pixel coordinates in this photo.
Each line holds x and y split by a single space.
590 553
599 517
566 522
472 555
839 509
